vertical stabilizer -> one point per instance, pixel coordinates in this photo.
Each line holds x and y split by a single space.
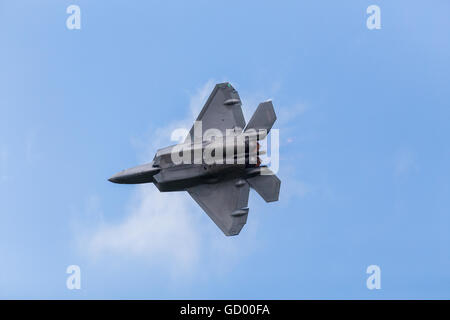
263 118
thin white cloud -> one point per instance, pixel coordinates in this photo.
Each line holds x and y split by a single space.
159 227
294 189
198 99
32 153
161 136
3 164
404 162
288 114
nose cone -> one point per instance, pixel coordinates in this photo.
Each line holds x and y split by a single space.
139 174
118 177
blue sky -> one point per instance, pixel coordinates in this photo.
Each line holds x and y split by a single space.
364 125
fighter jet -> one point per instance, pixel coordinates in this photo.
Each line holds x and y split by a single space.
218 162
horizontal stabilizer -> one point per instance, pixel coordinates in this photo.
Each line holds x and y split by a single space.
267 186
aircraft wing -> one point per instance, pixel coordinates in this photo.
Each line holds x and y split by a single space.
221 111
225 203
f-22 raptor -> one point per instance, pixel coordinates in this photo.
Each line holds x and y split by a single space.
218 162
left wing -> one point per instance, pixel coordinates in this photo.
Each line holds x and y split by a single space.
221 111
225 203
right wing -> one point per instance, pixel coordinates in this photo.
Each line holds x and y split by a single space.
221 111
225 203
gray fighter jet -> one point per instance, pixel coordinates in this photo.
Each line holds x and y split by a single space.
221 187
